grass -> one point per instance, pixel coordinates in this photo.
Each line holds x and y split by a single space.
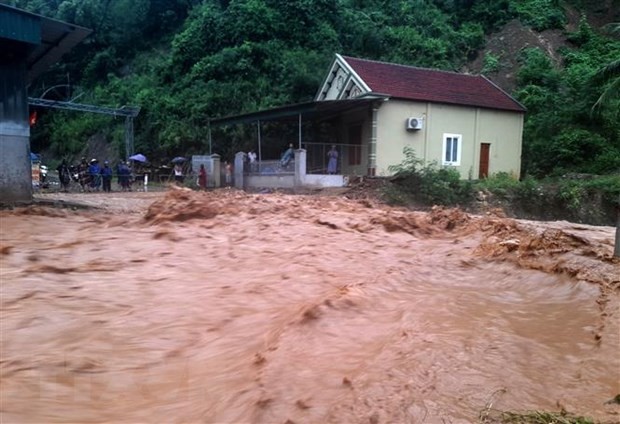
537 417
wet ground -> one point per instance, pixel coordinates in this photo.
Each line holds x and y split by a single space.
226 307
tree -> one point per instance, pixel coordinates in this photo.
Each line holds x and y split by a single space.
611 74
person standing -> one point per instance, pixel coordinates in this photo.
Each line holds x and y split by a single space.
64 175
332 164
94 170
106 176
228 170
83 174
178 174
123 176
287 156
202 177
252 160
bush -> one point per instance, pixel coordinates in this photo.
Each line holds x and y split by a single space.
491 63
428 184
577 198
501 184
541 14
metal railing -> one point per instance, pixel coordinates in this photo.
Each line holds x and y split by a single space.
269 167
317 160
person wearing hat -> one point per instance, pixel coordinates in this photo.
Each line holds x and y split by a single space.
94 170
106 176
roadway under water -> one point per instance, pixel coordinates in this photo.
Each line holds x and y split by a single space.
225 307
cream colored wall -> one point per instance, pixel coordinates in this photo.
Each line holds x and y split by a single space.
502 129
392 137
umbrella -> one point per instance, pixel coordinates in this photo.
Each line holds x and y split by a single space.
178 159
138 157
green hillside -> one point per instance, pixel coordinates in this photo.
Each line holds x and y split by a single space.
183 61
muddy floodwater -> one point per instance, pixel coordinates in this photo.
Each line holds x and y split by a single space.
226 307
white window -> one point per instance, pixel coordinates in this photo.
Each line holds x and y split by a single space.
452 146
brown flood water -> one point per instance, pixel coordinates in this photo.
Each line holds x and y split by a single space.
226 307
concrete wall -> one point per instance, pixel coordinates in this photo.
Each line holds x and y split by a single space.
15 167
502 129
269 181
298 179
322 180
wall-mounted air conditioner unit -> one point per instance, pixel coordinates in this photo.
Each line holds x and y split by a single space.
414 123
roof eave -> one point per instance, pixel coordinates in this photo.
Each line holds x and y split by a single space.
524 109
518 110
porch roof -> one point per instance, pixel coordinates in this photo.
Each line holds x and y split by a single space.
308 110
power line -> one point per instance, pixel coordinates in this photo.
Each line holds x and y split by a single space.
128 112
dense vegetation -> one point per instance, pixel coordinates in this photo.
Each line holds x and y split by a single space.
183 61
578 198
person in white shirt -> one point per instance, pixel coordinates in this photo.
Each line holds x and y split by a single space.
252 160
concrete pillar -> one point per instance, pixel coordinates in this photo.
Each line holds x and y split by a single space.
372 144
15 166
300 167
216 177
238 169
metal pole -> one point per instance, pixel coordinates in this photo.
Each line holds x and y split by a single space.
300 130
209 135
129 141
260 156
372 144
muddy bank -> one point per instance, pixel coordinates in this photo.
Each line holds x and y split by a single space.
230 307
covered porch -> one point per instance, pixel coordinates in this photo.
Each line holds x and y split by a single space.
312 128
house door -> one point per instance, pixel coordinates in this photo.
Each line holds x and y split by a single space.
485 148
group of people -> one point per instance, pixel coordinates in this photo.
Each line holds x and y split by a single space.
93 177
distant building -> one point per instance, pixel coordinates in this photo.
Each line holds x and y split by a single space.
376 109
458 120
29 44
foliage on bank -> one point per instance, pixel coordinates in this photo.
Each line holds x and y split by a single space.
537 417
575 197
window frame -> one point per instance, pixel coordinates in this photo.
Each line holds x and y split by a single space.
459 149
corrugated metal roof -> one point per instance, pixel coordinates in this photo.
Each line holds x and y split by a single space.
309 110
55 38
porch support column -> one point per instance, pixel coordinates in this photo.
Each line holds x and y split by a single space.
299 147
372 144
209 136
239 171
259 152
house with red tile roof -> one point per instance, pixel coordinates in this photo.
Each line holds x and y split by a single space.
459 120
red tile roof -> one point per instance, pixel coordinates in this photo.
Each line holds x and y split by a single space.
409 82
